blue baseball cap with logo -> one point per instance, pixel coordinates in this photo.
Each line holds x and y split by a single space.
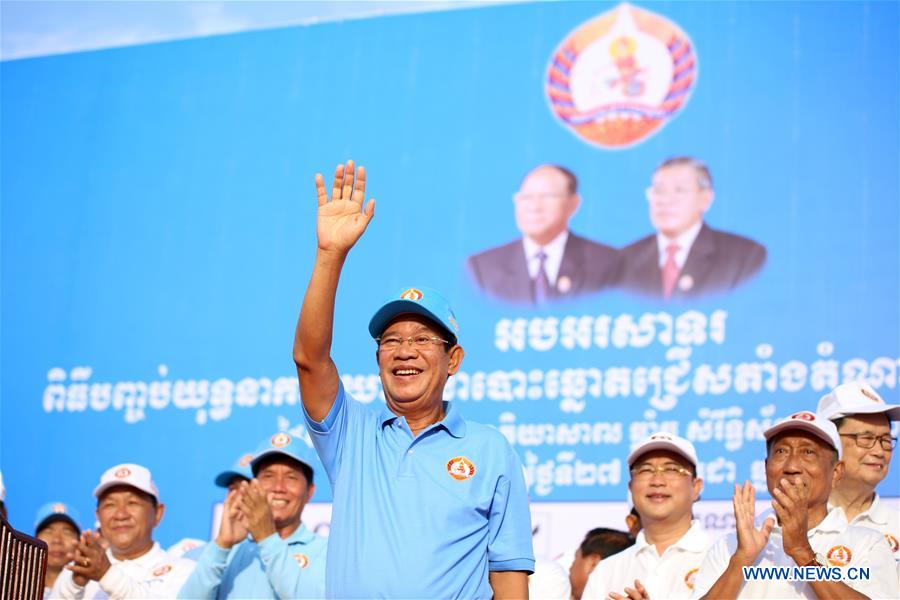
417 301
56 511
240 470
285 444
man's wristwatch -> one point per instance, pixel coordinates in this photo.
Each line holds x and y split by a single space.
818 560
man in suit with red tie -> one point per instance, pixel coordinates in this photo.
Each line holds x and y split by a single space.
549 263
686 258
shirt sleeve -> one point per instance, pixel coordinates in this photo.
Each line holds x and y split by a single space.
285 575
65 587
328 435
509 541
713 566
206 577
164 581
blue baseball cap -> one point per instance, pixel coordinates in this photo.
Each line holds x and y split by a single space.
53 512
284 444
418 301
240 469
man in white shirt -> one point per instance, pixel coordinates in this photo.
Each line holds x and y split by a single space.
668 551
863 421
686 258
134 566
549 263
803 455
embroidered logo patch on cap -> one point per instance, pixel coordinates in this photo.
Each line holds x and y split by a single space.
302 560
245 460
661 436
870 395
839 556
122 473
690 577
460 468
280 440
59 508
803 416
412 294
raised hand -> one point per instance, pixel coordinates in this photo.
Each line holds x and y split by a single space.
751 540
342 220
231 531
790 500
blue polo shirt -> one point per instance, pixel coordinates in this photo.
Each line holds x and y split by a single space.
293 567
423 517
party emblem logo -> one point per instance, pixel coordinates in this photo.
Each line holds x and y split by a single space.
690 577
803 416
302 560
280 440
871 396
411 294
59 508
617 79
162 570
460 468
892 541
122 473
839 556
245 460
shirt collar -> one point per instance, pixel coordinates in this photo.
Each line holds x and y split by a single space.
834 521
301 535
556 247
452 421
684 241
877 513
148 559
694 540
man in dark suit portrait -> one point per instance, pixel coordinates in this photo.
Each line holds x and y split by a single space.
686 258
548 263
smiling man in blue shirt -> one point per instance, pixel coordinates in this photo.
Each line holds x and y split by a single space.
426 504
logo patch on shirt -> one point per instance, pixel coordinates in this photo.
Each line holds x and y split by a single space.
411 294
689 578
280 440
460 468
245 460
122 473
302 560
892 542
803 416
160 571
839 556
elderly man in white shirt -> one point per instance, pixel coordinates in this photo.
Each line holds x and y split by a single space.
668 551
128 509
800 542
863 421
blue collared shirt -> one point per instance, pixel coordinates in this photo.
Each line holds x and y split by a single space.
419 517
293 567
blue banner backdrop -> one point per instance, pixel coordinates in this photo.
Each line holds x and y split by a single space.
158 232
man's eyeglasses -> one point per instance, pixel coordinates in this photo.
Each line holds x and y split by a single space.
423 341
670 472
867 440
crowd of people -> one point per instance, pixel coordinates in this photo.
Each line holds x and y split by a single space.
427 504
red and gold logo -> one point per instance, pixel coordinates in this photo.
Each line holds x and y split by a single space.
280 440
689 578
412 294
892 542
160 571
839 556
302 560
245 460
803 416
460 468
618 78
661 436
122 473
870 395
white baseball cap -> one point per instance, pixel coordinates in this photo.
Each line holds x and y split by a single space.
805 420
854 398
129 474
665 441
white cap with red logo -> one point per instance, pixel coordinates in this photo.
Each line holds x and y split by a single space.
855 398
128 474
817 425
665 441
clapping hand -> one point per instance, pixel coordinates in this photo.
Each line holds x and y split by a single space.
90 560
750 540
232 530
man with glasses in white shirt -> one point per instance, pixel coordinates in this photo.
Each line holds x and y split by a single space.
686 258
668 551
863 421
549 263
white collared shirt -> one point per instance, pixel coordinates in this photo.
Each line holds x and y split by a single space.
841 545
554 254
152 575
668 576
684 241
882 519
